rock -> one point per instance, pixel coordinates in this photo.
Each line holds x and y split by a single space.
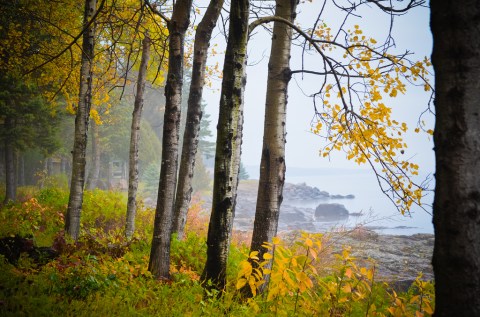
331 212
293 213
398 258
303 192
350 196
12 248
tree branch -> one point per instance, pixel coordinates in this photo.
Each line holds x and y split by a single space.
411 4
159 13
74 41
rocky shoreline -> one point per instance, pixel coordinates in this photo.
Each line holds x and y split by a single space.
294 213
398 258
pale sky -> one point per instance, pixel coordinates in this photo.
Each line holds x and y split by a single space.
410 32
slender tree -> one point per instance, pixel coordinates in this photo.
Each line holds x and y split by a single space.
94 173
272 165
135 138
456 208
194 115
159 263
72 220
227 155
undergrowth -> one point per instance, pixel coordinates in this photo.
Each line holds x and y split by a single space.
103 274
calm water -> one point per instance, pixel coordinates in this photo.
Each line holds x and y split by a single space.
377 209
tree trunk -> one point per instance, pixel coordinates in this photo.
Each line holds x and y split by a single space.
10 186
135 139
160 254
272 165
229 138
456 207
194 115
94 174
72 219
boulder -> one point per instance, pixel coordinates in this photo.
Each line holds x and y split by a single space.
303 192
331 212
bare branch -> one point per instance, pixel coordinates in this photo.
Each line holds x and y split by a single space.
157 12
411 4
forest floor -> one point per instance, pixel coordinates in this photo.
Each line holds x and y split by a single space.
46 274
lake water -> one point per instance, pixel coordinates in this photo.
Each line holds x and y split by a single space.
377 209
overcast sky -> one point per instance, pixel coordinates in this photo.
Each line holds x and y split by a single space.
411 32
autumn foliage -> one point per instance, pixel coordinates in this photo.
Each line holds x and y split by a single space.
103 273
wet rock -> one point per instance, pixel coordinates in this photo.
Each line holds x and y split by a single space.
331 212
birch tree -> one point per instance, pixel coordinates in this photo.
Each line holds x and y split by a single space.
72 219
94 173
272 164
194 115
159 263
135 138
228 148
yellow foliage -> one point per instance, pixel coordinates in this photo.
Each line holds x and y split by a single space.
362 125
294 282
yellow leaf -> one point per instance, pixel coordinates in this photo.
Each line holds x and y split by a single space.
347 288
241 283
313 253
245 269
276 240
309 242
267 256
414 299
428 309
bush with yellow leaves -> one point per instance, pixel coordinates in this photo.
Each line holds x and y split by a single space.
297 286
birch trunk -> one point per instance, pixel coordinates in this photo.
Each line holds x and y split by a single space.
227 155
95 170
194 115
72 219
159 263
272 165
135 140
456 207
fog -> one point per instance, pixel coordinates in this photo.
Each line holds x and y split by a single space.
411 32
